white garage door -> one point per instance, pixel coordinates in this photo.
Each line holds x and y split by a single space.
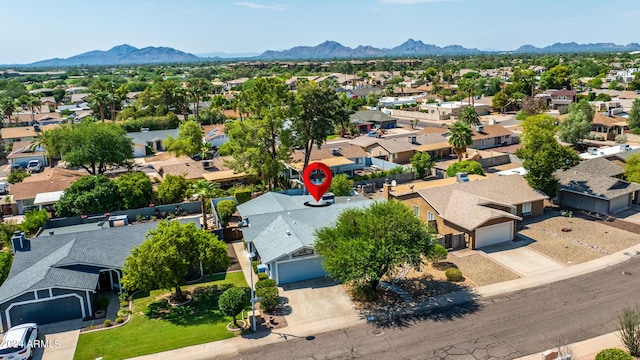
493 234
304 269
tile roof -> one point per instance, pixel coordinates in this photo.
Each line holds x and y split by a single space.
72 260
191 169
601 119
490 131
563 92
347 151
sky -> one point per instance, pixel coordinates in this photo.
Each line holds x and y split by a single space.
33 30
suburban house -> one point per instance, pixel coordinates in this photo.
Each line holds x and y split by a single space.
51 180
343 159
366 120
561 98
214 135
488 136
400 149
596 187
152 139
23 133
281 231
22 152
212 169
608 152
609 125
56 276
448 110
482 213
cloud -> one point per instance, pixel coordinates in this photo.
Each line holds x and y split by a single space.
260 6
412 2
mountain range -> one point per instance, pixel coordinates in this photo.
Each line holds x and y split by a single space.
127 54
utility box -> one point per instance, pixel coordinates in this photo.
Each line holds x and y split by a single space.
262 268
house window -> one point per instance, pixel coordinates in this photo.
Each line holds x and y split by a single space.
526 208
358 160
379 152
430 216
303 252
416 210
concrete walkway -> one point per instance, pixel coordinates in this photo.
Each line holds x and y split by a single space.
587 349
233 345
515 256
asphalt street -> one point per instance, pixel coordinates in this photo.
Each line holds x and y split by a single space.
503 327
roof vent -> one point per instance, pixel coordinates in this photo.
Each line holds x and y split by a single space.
335 151
288 233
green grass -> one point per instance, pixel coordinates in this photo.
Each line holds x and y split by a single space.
331 137
155 327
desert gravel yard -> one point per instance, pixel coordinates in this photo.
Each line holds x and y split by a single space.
481 270
586 240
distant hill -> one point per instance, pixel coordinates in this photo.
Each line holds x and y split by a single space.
127 54
121 55
332 49
573 47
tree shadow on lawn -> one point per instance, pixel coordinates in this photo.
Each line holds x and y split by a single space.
438 301
203 308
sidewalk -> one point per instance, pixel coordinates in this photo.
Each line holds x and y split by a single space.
582 350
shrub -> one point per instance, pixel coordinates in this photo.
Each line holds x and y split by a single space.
364 293
119 320
243 195
254 265
613 354
629 327
107 323
17 176
231 302
438 253
123 312
262 276
454 275
5 265
468 166
226 209
270 299
265 283
34 220
102 302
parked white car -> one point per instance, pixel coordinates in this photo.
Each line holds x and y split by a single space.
18 342
34 166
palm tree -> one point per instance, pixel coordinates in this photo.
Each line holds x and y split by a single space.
205 190
99 99
8 107
460 138
33 103
469 115
43 141
199 89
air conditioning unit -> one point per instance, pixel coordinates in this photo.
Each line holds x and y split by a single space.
412 139
335 151
592 151
207 164
462 177
625 147
479 128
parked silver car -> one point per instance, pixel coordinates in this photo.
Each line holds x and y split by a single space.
34 166
18 342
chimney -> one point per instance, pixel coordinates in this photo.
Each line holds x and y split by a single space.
386 189
19 242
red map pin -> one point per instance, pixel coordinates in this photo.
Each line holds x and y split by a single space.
317 190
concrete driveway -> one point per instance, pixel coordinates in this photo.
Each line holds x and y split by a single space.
631 215
515 256
317 305
60 340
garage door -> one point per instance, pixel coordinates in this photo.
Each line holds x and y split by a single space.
300 270
494 234
587 203
47 311
620 203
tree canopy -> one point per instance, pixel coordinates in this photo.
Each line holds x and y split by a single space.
469 115
468 166
542 155
634 115
421 162
632 168
167 255
93 194
94 146
135 190
574 128
172 189
366 244
341 185
189 140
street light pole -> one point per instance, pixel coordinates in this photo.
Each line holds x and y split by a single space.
253 296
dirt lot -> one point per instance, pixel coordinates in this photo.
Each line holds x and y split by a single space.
575 240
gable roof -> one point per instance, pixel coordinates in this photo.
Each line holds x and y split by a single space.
611 120
24 131
563 92
348 151
370 116
51 179
281 224
72 260
599 186
490 131
465 203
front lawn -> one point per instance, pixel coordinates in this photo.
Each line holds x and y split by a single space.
157 327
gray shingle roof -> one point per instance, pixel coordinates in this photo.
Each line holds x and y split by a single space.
624 155
599 166
72 260
599 186
281 224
